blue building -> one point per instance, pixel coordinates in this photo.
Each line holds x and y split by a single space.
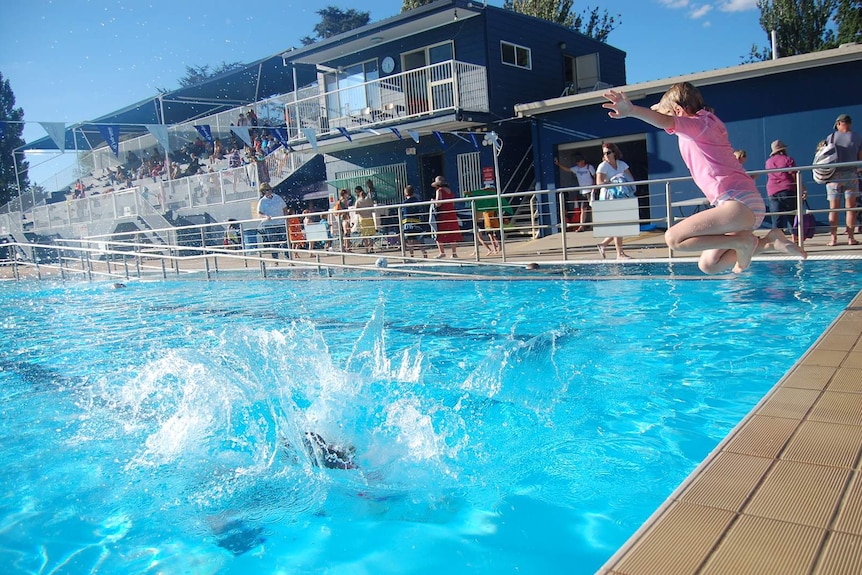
397 102
794 99
411 97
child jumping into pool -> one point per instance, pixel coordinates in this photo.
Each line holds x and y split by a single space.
725 232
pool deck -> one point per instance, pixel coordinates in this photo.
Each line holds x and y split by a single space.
782 493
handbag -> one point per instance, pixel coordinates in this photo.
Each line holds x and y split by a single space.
432 218
618 192
809 223
827 154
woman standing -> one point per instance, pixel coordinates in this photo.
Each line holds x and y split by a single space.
612 165
366 219
781 187
448 230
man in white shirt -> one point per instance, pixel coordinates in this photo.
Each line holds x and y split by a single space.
271 206
586 176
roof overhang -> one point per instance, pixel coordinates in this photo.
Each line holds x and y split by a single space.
843 54
415 21
446 123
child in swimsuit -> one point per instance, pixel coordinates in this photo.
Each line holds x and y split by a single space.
725 233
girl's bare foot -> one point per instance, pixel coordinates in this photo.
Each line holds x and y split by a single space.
746 252
780 243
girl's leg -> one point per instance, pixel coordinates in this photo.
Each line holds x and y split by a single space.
726 227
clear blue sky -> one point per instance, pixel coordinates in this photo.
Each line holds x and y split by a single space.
74 60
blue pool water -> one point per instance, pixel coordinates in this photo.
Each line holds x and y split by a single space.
498 426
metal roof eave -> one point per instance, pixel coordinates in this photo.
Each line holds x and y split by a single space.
405 24
840 55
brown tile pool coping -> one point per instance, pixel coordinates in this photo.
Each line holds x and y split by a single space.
782 493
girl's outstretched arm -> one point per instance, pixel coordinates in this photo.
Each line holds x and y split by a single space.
621 107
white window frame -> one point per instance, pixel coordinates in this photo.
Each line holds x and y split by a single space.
515 49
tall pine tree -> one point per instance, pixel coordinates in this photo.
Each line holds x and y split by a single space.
12 121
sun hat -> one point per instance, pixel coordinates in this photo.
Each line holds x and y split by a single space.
778 146
439 182
843 118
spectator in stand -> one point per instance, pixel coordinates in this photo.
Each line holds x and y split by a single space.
252 117
194 166
241 121
235 161
175 173
218 151
156 171
79 190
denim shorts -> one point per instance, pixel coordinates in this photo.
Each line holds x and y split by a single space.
844 181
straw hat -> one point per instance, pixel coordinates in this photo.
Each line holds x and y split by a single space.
439 182
778 146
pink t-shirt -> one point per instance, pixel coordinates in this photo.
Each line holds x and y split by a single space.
706 150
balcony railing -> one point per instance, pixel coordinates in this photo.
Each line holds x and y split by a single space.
444 87
159 196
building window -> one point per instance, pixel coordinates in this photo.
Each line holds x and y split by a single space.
583 74
515 55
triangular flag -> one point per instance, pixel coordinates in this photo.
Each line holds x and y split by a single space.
439 138
414 134
281 136
205 133
397 133
111 135
344 133
160 133
242 133
312 137
57 131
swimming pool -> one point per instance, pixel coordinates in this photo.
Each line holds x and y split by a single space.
497 425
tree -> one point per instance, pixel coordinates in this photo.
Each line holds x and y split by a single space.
12 119
198 74
590 22
801 27
334 21
411 4
849 20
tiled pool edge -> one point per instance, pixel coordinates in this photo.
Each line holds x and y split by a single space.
782 493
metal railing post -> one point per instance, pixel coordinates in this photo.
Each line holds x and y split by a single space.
800 211
564 225
668 214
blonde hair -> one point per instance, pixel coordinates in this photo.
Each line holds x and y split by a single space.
686 96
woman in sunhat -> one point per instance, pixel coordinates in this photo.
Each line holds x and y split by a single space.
781 188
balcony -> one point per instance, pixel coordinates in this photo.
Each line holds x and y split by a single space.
447 87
